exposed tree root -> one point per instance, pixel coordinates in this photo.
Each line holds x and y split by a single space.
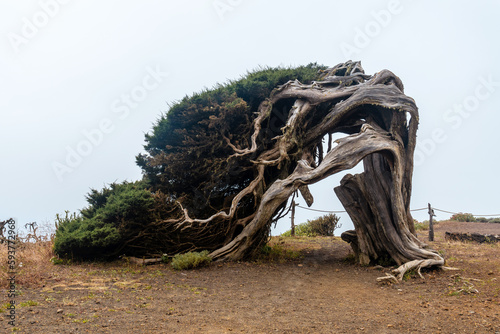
398 273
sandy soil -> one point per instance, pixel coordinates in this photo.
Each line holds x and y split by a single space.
322 292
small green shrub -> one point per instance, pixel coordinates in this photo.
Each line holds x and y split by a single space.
325 226
463 217
191 260
481 219
301 230
423 226
494 220
102 229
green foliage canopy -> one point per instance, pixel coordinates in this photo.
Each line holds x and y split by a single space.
116 221
186 159
187 151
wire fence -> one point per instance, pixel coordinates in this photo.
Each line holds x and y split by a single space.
421 209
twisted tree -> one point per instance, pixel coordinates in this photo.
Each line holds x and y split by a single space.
289 146
222 165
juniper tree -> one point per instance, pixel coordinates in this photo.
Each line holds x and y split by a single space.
223 164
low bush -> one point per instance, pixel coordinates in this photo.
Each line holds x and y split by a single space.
468 217
124 218
495 220
301 230
324 226
191 260
423 226
98 231
463 217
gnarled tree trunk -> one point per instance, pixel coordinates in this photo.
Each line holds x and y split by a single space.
380 123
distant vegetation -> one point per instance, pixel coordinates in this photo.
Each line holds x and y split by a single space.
321 226
488 220
423 226
468 217
459 217
463 217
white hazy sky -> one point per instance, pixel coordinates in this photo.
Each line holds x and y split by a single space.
81 82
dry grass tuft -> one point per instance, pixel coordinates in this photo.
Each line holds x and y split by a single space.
33 263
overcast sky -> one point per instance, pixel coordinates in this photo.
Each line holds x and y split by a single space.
81 82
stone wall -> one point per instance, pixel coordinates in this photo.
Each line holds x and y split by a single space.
476 237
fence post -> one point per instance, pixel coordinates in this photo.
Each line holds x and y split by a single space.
293 218
431 224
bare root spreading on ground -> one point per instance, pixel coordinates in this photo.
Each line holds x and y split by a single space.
310 285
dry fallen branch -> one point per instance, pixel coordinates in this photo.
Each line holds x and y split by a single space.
398 273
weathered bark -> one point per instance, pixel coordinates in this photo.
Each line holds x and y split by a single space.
346 155
380 123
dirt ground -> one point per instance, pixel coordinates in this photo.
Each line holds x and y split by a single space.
321 292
